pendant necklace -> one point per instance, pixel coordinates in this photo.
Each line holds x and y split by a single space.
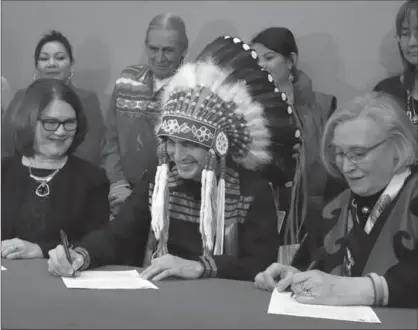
43 188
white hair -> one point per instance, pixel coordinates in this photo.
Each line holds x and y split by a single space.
170 22
386 112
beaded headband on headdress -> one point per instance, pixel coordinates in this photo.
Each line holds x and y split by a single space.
217 106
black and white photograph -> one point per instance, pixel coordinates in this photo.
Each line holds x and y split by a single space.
209 164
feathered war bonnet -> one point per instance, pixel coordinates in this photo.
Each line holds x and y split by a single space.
217 101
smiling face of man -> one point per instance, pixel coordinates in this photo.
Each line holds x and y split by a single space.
189 157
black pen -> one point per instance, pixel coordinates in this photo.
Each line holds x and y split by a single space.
312 265
66 245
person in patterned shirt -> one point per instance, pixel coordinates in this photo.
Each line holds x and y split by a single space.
129 146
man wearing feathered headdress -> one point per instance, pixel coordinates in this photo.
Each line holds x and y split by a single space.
208 213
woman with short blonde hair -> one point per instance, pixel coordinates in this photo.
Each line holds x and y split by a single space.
369 253
386 112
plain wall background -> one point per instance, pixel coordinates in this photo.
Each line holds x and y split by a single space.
346 47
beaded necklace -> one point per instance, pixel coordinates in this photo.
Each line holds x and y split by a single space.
410 108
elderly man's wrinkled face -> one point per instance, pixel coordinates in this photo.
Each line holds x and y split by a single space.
189 157
363 155
164 51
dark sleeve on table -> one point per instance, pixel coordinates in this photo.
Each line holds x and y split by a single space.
258 241
402 279
112 243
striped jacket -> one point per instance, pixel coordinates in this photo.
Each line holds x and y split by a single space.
129 146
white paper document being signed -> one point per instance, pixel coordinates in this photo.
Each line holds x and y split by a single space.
95 279
283 303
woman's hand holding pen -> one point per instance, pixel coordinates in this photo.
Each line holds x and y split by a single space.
59 265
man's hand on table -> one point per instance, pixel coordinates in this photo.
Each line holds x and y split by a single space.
169 265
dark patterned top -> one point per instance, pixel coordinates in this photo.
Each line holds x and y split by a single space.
390 250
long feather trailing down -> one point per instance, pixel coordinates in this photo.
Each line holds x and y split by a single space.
159 214
220 213
220 218
209 216
155 225
202 209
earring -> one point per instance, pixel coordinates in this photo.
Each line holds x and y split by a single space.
70 77
291 78
34 76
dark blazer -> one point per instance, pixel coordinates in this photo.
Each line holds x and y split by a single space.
78 201
89 149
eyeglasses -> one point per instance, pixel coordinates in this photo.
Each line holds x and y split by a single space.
356 156
51 125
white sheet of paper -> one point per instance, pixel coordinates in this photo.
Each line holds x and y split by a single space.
125 279
283 303
3 268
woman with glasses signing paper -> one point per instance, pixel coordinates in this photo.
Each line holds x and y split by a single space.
369 253
45 188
